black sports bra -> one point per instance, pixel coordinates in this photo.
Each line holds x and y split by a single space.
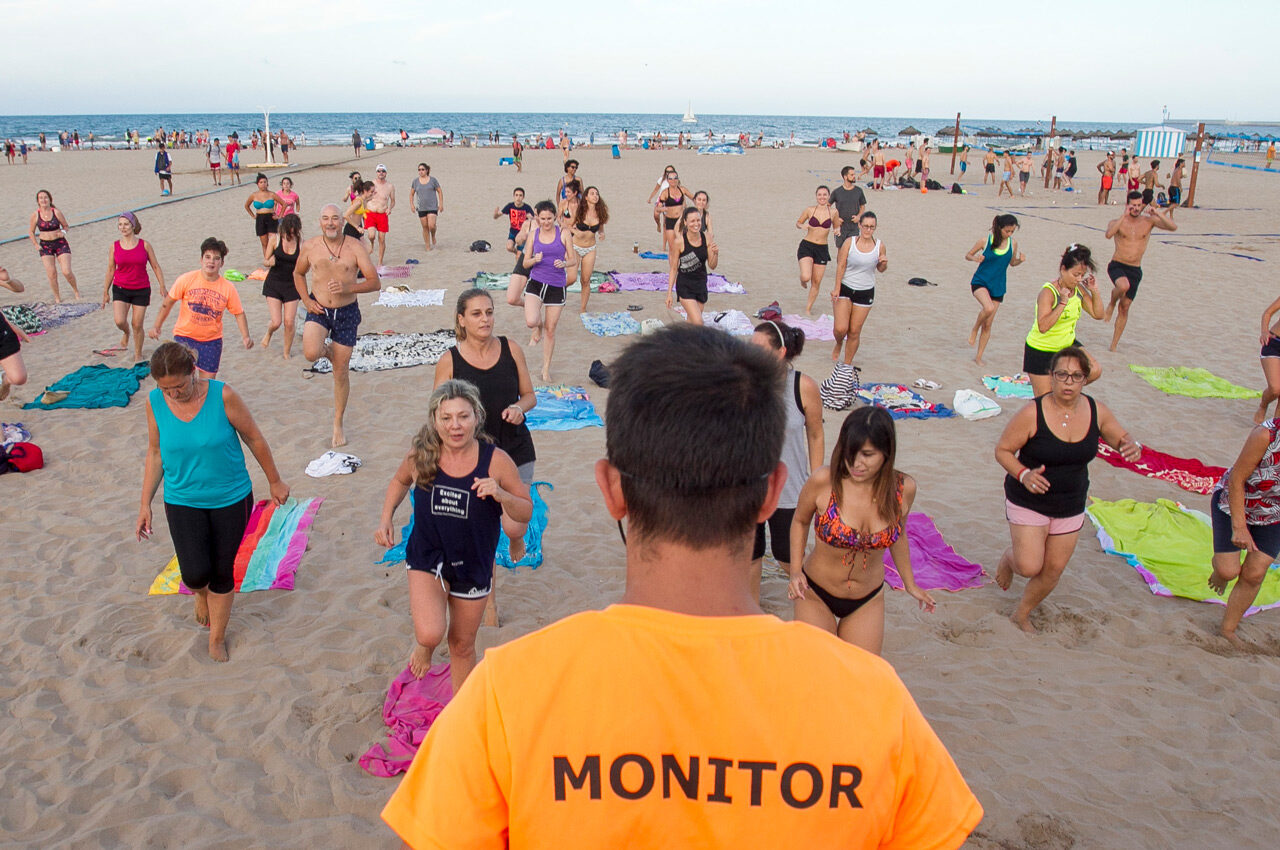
587 228
673 202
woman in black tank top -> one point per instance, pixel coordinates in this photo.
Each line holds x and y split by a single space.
1046 450
281 294
691 255
496 366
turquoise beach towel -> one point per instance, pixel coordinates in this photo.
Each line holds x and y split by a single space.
532 536
1008 386
562 409
96 386
610 324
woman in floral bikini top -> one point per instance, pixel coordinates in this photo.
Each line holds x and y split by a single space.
839 587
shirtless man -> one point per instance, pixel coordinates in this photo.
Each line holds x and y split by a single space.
377 216
924 164
1024 172
1175 184
1151 179
877 166
1131 231
989 168
1107 168
333 311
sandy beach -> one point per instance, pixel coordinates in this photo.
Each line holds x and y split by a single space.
1125 723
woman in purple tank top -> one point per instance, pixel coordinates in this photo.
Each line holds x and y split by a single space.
127 287
546 257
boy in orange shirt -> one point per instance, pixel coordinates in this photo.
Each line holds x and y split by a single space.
204 295
684 716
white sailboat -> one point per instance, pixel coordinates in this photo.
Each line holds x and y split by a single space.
689 116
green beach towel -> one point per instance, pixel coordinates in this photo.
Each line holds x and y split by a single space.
1193 382
95 386
1171 548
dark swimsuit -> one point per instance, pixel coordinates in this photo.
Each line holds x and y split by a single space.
833 531
669 223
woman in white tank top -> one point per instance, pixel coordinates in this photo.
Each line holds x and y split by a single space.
856 269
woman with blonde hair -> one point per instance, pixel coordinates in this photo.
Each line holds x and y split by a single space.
463 487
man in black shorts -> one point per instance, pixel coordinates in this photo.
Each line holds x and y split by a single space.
333 310
1131 232
849 201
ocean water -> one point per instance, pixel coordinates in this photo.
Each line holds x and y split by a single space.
336 128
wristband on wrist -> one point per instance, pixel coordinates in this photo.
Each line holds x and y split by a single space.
1023 473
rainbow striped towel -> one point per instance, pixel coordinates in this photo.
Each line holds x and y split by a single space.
269 554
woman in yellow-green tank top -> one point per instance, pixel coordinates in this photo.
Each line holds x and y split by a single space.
1057 310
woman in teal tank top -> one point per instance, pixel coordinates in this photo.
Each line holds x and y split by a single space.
995 255
194 430
1057 310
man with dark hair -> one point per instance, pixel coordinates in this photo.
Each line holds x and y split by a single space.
1131 231
850 202
684 716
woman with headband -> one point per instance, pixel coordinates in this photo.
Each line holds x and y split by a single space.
127 287
803 443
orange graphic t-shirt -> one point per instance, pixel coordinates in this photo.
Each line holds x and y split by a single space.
636 727
201 304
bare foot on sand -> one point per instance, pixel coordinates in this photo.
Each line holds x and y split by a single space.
1023 623
266 340
978 360
218 650
1217 583
973 337
1004 572
517 550
419 661
339 438
202 609
1234 640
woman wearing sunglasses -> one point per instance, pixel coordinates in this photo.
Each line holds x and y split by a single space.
1046 450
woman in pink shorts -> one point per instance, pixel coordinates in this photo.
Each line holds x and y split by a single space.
1046 450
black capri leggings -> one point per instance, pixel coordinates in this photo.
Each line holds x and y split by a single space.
779 536
206 541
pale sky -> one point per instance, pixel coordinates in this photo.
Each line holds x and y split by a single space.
1083 61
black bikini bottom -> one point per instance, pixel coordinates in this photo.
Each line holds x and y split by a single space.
840 606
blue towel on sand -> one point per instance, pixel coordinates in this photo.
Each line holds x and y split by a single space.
96 386
653 255
532 536
610 324
562 409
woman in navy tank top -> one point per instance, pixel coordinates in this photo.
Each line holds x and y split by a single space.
462 489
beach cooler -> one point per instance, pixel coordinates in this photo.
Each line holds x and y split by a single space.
616 153
506 160
368 143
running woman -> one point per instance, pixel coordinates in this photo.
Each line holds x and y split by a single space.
856 270
588 232
48 231
692 254
127 287
994 254
261 206
813 254
278 288
548 260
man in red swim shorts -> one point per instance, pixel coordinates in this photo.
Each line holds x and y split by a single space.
377 216
1107 168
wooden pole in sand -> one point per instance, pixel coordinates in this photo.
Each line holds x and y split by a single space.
1053 128
1195 167
955 144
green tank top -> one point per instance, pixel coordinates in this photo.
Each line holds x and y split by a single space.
1063 332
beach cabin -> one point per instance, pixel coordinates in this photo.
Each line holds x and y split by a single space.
1159 142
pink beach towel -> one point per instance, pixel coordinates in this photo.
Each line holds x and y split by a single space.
821 327
935 565
1186 472
412 705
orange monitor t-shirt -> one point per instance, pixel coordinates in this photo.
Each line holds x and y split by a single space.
201 304
636 727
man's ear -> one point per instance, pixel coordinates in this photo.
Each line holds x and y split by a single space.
609 480
777 479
